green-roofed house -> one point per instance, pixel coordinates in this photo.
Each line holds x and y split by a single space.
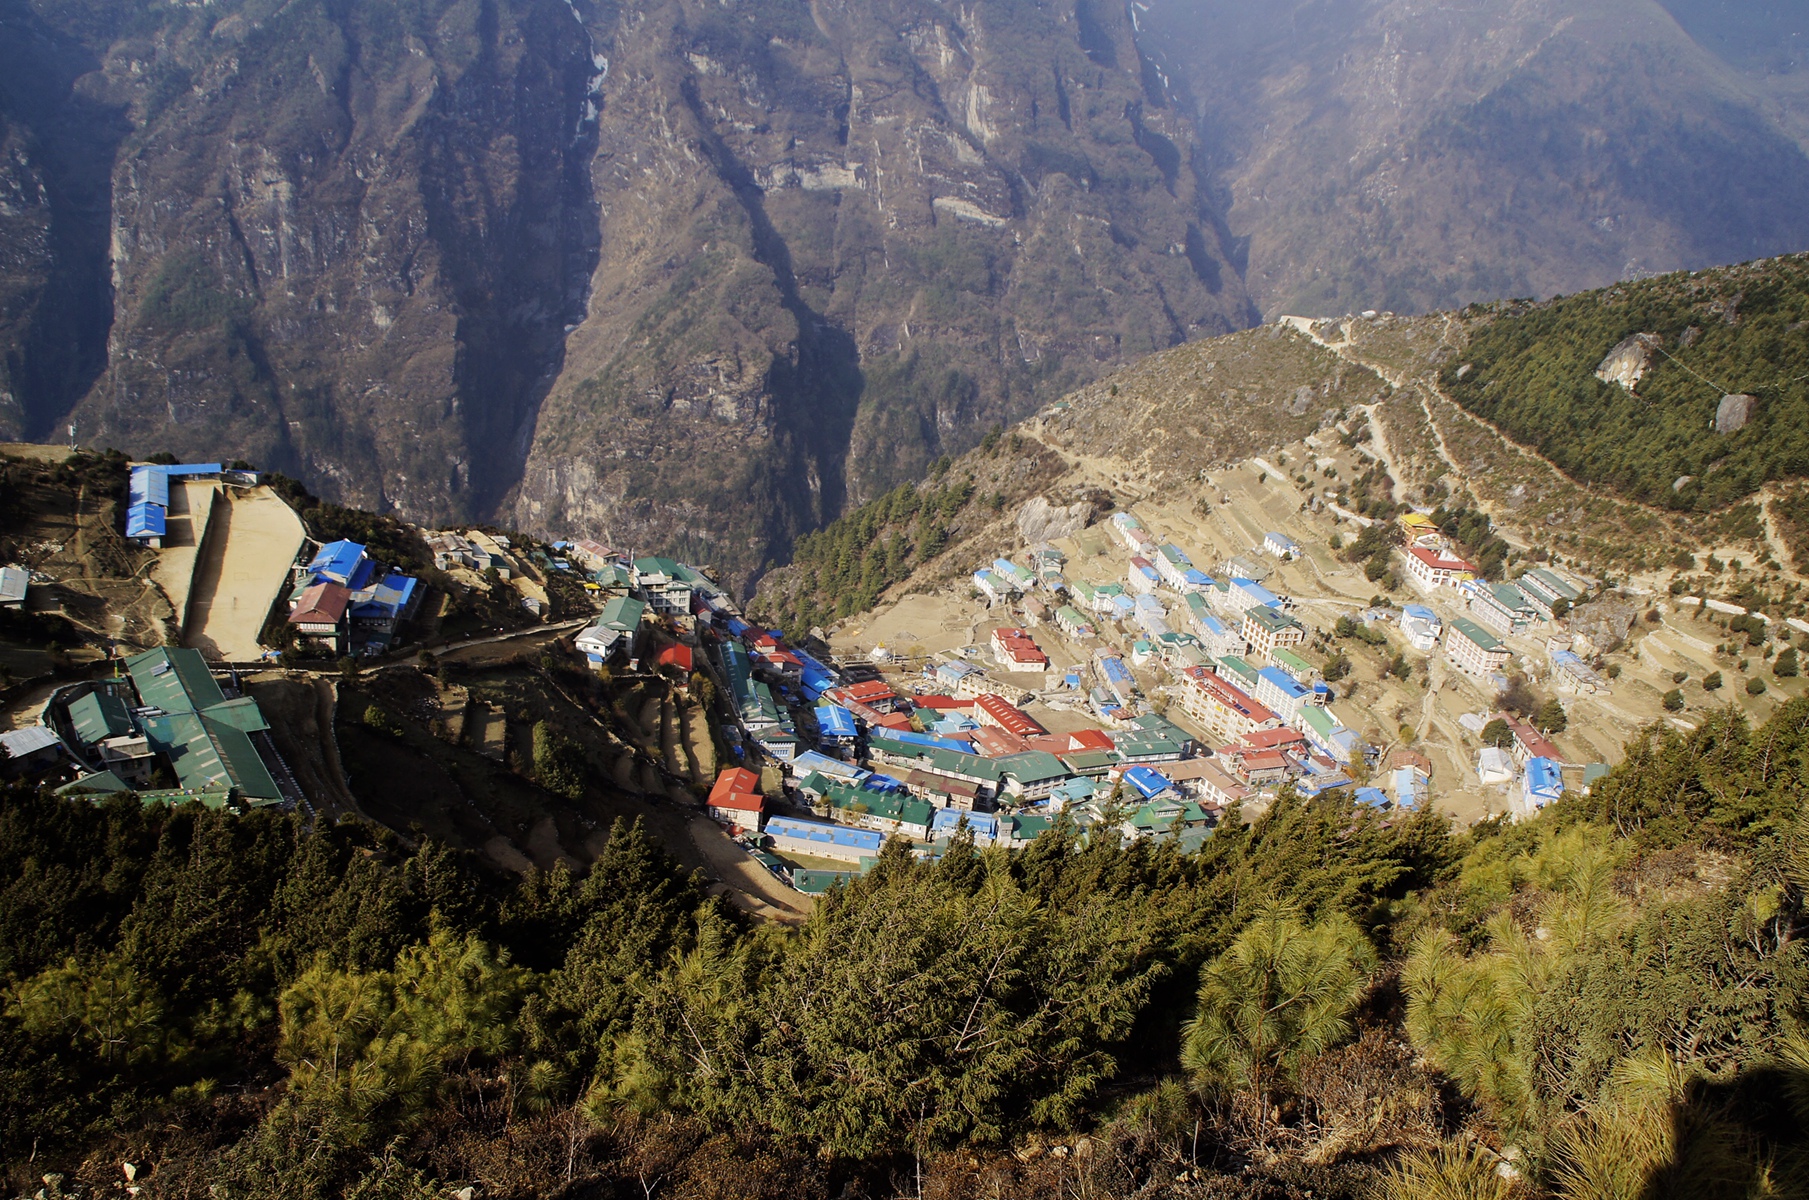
984 773
1474 650
887 812
212 755
1021 829
1236 671
815 883
98 785
1303 672
1031 775
615 629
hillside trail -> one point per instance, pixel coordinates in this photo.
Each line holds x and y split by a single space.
1346 350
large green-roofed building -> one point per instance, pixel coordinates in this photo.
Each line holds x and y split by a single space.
206 737
174 679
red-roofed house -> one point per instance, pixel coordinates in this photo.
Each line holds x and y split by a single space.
1259 766
320 613
1018 651
943 703
1529 743
736 798
1430 570
1073 743
994 743
676 655
992 710
1272 739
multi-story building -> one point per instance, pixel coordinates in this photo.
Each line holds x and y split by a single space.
1226 711
1017 651
1501 607
1269 629
1429 570
1543 589
1474 650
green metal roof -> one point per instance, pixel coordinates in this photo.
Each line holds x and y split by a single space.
1291 662
101 783
1270 620
174 679
242 714
1321 720
1033 766
815 883
622 614
1091 762
1476 633
99 716
210 755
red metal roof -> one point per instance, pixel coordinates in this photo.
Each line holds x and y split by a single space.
676 655
942 703
1009 718
1439 562
1270 739
740 802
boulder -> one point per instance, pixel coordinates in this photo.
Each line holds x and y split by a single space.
1734 411
1041 521
1629 361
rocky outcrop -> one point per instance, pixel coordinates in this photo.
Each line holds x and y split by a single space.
1732 414
1629 361
1040 521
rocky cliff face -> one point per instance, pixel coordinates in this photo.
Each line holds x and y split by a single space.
841 239
687 275
338 239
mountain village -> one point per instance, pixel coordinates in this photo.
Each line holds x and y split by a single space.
1105 679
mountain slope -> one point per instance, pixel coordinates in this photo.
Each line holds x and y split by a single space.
1395 155
798 251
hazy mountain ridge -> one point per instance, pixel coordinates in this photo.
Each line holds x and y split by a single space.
1399 155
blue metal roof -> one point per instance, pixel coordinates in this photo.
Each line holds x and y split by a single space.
912 738
1374 797
835 768
1420 611
946 820
149 485
826 834
1288 685
1115 670
144 520
339 561
1544 779
835 721
1147 782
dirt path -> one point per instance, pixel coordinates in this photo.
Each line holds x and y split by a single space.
751 886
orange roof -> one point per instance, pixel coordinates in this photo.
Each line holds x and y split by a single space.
675 655
740 802
735 779
871 690
943 702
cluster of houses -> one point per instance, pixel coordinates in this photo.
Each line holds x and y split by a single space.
347 602
162 729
